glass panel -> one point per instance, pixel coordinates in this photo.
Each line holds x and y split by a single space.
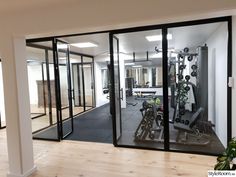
88 85
42 90
2 109
78 106
142 90
198 100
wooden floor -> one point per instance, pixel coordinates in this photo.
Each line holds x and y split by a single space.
84 159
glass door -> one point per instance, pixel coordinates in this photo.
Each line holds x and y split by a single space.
116 107
198 83
65 111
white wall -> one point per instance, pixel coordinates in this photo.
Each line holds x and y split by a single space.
217 80
101 98
34 74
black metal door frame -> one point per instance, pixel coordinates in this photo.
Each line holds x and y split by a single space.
58 93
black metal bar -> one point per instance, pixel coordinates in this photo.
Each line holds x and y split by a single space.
82 71
229 89
112 94
69 89
147 56
40 115
79 85
94 86
165 88
49 87
171 150
57 90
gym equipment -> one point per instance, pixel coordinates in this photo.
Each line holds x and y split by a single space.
191 128
152 120
186 122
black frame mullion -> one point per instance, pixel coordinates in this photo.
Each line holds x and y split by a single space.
229 89
83 87
112 94
165 88
57 89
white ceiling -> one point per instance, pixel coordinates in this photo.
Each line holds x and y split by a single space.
189 36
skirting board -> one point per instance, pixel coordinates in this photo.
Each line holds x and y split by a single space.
28 173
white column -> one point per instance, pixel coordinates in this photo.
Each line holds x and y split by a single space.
17 107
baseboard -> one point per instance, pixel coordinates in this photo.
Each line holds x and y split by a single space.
28 173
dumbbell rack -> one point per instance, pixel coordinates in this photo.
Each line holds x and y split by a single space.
183 84
146 128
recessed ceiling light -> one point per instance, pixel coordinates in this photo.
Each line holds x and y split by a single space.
157 37
84 45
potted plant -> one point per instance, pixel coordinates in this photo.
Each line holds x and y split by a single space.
227 160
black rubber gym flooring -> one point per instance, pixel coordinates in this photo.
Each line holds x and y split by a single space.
93 126
96 126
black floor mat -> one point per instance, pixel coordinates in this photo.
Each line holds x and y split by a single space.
94 126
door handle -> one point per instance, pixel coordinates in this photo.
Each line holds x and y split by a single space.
121 94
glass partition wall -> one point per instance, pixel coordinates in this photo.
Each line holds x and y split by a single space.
172 90
2 114
57 87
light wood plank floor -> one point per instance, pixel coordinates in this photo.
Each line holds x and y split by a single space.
84 159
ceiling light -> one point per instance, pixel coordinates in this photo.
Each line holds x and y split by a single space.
137 66
84 45
129 64
158 37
